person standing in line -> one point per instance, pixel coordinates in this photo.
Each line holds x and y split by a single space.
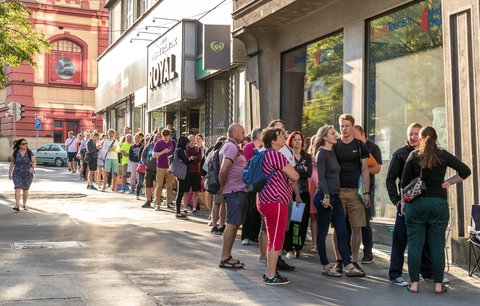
100 161
233 189
134 160
427 214
251 226
329 205
219 212
124 151
110 146
399 237
180 151
273 200
374 167
193 179
151 168
91 156
312 187
352 155
163 148
303 165
71 144
21 170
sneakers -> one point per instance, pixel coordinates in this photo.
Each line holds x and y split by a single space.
399 281
276 280
194 211
339 266
367 259
222 228
216 231
283 266
92 187
430 279
138 197
119 188
126 188
246 241
290 255
146 204
262 259
157 207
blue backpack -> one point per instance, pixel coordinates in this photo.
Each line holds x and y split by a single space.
253 175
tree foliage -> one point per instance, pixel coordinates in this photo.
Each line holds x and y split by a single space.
19 42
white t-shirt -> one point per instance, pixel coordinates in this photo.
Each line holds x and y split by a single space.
106 145
288 155
72 145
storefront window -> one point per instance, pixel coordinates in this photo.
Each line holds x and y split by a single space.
405 82
312 85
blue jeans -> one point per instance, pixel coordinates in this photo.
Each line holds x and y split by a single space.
336 217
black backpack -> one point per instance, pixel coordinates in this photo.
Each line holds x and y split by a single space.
212 183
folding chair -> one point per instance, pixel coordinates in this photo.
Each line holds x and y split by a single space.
474 250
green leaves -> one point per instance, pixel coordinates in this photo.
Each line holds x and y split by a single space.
18 40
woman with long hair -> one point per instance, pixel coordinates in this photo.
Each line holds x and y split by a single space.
295 237
312 186
329 207
427 215
22 166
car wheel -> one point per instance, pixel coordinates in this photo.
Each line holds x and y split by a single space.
58 162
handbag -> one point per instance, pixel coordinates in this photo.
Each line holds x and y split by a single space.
141 169
177 167
414 188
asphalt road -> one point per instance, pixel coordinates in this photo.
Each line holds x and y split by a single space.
80 247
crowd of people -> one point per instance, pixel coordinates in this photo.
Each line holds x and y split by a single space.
327 179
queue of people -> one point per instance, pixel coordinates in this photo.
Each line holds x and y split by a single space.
330 178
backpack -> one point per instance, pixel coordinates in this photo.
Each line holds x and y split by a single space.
212 183
253 175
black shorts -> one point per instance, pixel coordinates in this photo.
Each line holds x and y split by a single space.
194 181
92 164
72 156
150 178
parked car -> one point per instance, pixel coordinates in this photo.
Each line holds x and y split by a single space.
51 153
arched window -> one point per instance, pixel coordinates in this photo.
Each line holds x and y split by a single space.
65 63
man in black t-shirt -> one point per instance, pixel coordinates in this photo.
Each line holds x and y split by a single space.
374 167
352 155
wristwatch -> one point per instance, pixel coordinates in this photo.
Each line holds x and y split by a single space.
327 196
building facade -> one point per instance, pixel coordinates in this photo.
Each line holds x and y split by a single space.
389 63
60 92
155 71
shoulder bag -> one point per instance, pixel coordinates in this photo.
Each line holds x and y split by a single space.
414 189
177 167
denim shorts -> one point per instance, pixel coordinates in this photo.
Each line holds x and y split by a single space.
237 204
111 165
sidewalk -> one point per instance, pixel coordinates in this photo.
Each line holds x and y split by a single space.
86 247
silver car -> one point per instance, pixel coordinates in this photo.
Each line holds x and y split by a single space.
51 153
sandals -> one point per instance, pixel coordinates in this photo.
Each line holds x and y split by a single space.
330 270
409 289
231 263
25 207
444 289
181 216
354 272
314 249
16 208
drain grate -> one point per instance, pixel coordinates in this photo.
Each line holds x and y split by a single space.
30 244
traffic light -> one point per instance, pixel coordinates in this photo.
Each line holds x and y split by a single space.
20 110
11 109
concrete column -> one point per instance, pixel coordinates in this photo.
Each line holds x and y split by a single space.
353 71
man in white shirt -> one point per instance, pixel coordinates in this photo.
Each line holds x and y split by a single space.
110 146
72 148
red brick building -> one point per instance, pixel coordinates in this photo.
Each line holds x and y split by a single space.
61 91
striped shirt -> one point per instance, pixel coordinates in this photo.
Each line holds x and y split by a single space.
277 188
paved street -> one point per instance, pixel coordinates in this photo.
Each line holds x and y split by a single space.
80 247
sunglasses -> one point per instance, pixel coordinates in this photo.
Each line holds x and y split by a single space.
24 143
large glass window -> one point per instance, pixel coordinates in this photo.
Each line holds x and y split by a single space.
312 84
405 82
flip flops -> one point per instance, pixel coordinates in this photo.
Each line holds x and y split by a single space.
444 289
409 289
